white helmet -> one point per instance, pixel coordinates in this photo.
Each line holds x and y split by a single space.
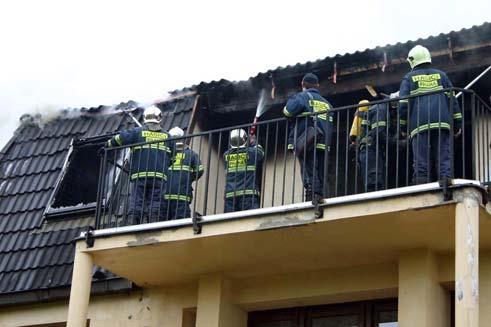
152 114
418 55
238 138
394 95
177 132
395 103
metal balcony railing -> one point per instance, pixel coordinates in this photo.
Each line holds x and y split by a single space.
267 172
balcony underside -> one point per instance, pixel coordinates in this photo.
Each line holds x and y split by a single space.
351 234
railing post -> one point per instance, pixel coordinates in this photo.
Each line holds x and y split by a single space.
452 147
99 195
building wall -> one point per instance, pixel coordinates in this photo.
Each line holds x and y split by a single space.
419 277
147 307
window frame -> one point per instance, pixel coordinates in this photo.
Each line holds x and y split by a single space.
367 311
52 213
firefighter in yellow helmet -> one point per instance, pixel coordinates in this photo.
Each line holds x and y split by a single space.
369 134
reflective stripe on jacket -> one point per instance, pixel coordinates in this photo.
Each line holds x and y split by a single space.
304 103
427 111
185 169
148 160
241 166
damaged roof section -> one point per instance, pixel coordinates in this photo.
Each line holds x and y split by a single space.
29 169
37 254
456 52
178 111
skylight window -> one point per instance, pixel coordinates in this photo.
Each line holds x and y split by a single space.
76 190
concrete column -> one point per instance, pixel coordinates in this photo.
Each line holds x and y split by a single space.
80 289
467 258
215 304
423 302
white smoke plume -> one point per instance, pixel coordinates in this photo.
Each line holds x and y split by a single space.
42 114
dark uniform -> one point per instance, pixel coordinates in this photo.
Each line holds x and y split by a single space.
185 169
312 170
148 171
428 121
242 190
372 146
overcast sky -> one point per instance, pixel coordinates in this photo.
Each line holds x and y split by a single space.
57 54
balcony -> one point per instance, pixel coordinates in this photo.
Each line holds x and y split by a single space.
355 244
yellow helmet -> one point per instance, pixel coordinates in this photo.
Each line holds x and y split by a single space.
418 55
363 108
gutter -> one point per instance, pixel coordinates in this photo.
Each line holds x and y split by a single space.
384 194
100 287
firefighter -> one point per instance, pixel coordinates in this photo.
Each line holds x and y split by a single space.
241 164
185 169
148 166
311 151
427 119
369 133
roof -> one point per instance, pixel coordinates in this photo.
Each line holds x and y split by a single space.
177 112
344 63
36 254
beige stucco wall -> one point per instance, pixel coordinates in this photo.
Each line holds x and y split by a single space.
485 287
146 307
276 190
420 277
481 127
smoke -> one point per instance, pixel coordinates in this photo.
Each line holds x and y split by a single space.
42 115
261 105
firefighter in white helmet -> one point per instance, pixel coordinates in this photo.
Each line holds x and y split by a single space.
242 161
185 169
148 166
427 118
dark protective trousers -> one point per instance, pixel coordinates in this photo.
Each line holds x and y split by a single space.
240 203
431 156
313 173
371 163
177 209
146 200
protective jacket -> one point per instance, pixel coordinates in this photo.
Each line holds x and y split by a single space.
147 160
302 104
427 111
185 169
241 165
371 126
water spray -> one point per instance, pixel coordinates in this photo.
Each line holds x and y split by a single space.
167 98
260 110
